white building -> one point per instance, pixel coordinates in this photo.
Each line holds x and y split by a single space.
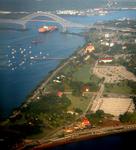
105 60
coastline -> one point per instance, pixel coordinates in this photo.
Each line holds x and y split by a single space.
48 77
82 137
74 137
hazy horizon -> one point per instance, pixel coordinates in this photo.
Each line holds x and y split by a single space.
49 5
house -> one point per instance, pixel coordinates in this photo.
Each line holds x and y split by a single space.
111 44
70 112
59 94
89 48
86 122
85 88
105 60
107 35
57 81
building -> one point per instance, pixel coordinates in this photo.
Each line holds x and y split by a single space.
85 88
59 94
86 122
87 57
89 48
105 60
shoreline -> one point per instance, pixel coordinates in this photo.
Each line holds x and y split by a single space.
34 93
82 137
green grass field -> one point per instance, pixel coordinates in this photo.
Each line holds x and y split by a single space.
118 89
78 102
82 74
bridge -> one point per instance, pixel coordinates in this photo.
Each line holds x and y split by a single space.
64 23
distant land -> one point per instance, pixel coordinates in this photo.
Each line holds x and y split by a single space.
49 5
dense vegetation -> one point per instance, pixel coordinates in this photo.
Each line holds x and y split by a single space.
96 118
128 117
122 87
131 65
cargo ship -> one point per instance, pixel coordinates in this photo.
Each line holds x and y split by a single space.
47 29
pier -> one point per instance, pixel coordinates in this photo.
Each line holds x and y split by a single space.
46 58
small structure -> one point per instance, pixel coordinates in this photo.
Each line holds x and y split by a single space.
59 94
70 112
85 88
105 60
107 35
89 48
86 122
56 81
69 130
111 44
87 57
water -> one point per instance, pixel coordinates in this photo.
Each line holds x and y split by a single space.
112 15
18 74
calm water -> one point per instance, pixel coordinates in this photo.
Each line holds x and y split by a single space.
18 74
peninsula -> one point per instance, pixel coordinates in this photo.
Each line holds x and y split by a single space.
90 94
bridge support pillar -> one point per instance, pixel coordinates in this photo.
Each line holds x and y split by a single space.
64 29
24 27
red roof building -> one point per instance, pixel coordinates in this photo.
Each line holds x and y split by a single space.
86 122
59 94
105 60
89 48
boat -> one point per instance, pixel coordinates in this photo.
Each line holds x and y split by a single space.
47 29
36 41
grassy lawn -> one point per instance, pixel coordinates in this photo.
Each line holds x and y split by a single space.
118 89
42 134
82 74
78 102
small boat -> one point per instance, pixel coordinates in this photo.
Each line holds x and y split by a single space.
36 41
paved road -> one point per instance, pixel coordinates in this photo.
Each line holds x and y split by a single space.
43 85
84 134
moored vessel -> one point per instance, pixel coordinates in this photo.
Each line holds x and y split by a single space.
47 29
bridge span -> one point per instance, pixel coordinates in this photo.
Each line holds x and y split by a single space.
64 23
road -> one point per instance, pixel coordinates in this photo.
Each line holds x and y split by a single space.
96 99
79 135
43 85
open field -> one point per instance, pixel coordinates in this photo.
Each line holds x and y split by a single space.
78 102
118 89
116 106
82 74
113 73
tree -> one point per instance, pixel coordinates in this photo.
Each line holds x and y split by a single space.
100 113
128 117
78 110
134 100
76 87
